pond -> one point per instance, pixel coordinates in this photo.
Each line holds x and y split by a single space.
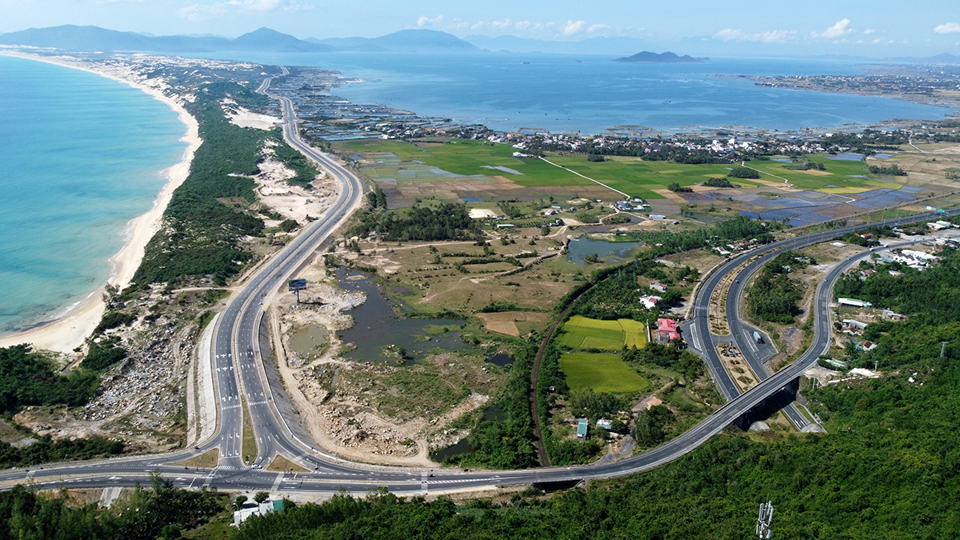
493 413
500 359
580 248
379 334
310 341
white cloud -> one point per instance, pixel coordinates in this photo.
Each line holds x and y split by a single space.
948 28
839 29
428 21
200 12
868 31
769 36
573 27
594 28
522 25
501 25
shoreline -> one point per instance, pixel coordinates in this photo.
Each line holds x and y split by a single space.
68 329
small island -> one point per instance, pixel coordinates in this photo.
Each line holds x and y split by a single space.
647 57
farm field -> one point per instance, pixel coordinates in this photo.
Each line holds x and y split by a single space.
639 178
405 162
843 175
583 333
601 372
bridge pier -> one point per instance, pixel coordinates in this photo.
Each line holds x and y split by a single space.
769 406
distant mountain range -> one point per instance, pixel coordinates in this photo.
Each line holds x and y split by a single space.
647 57
93 38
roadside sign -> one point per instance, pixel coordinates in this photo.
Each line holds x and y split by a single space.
297 284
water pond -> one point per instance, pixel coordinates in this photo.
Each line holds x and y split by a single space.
582 247
380 335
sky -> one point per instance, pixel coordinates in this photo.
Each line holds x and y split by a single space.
801 27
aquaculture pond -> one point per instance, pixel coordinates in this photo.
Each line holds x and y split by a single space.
583 247
380 334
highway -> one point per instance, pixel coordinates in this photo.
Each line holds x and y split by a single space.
240 374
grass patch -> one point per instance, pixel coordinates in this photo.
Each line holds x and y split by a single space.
207 459
601 373
282 464
638 178
584 333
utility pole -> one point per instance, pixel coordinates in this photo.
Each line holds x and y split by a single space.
764 520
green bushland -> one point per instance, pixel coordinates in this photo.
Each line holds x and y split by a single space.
305 169
448 221
605 373
160 512
207 215
893 170
670 356
738 228
718 182
677 188
505 439
774 296
743 172
113 319
615 294
28 378
47 450
104 353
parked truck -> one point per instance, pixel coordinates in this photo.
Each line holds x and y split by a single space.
757 338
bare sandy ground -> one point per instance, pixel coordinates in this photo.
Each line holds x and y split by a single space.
68 330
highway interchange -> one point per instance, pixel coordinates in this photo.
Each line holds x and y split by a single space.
240 373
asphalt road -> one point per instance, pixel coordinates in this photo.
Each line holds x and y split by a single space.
239 374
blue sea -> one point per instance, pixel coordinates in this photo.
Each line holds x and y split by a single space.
80 156
590 94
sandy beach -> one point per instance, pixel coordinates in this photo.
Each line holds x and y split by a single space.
68 330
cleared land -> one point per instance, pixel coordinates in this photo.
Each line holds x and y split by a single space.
601 373
583 333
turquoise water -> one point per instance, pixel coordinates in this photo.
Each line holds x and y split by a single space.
80 156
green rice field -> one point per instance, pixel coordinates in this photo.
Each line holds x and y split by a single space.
583 333
631 175
601 372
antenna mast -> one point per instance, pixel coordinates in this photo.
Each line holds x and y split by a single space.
764 520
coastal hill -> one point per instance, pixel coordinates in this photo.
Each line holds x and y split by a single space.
402 41
647 57
265 39
93 38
